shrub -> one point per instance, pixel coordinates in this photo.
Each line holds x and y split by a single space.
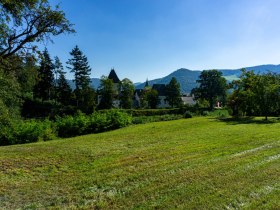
187 114
72 125
33 131
20 132
97 122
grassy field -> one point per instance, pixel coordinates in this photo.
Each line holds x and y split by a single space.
198 163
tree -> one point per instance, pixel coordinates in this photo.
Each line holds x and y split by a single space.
45 85
25 23
212 87
106 91
173 93
266 93
126 93
63 90
151 96
255 94
9 96
79 66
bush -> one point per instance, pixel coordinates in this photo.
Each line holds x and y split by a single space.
97 122
187 114
72 126
33 131
20 132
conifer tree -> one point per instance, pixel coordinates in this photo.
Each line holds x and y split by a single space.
63 90
45 85
79 66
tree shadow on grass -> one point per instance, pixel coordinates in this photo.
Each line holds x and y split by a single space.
248 120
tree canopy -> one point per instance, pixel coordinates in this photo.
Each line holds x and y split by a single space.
173 93
25 23
212 87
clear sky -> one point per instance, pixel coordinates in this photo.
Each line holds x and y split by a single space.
152 38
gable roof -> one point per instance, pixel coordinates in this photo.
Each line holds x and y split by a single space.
160 88
113 76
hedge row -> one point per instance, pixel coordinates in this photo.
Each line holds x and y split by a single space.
27 131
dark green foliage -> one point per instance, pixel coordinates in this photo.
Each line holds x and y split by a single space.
126 93
36 108
151 96
188 114
9 94
212 87
173 93
88 100
45 85
106 93
27 76
63 90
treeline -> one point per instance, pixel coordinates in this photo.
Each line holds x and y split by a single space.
252 95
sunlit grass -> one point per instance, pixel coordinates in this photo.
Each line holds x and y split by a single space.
198 163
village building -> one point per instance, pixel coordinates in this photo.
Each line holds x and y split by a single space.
138 93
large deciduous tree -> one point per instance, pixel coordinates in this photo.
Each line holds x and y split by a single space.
106 91
255 94
126 93
212 87
173 93
23 24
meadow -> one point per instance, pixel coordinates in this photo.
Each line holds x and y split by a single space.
197 163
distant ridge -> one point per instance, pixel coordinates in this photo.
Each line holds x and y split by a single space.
187 78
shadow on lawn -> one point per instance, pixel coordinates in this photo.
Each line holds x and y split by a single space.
248 120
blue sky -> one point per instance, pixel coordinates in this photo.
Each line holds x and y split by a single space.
152 38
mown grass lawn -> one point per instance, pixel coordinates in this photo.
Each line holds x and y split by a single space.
198 163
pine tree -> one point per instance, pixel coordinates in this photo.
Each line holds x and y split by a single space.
79 66
63 90
45 85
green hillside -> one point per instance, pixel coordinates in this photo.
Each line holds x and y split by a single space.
198 163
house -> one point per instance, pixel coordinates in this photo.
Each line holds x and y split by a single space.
188 99
161 89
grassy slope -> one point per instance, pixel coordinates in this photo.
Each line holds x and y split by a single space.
196 163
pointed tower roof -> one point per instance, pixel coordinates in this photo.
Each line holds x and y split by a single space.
113 76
